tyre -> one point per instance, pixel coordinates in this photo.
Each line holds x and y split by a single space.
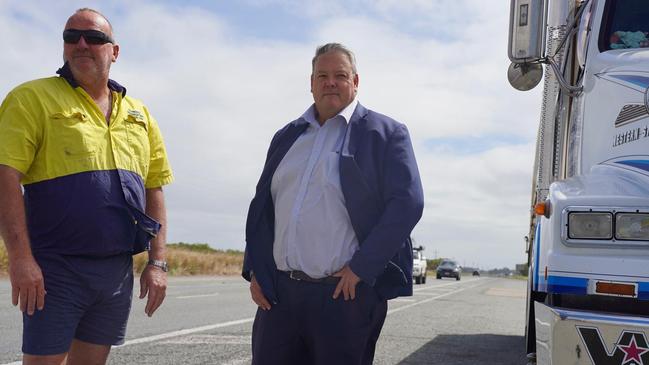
439 277
457 278
423 279
418 280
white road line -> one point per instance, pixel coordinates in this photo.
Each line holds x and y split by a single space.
248 320
197 296
245 360
185 332
402 300
429 287
426 294
163 336
391 311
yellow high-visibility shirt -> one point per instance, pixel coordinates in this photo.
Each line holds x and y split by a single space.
78 170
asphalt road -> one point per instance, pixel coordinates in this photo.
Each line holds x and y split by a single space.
207 320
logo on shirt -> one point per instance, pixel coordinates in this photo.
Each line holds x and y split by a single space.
136 114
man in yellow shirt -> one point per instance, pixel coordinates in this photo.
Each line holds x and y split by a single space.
92 163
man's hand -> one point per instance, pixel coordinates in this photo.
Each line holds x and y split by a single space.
27 286
257 295
154 282
347 283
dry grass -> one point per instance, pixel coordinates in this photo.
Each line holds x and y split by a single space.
4 260
187 262
182 261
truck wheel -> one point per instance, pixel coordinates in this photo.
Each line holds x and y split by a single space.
418 280
457 278
438 277
423 279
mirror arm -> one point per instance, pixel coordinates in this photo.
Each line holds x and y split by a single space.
572 90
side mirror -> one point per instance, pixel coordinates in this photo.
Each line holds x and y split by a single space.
527 30
524 76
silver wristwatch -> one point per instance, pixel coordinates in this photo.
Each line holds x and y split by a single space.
162 265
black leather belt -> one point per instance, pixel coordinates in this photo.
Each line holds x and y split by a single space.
302 276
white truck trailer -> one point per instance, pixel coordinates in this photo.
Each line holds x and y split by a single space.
588 240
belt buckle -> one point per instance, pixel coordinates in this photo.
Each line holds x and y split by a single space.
290 275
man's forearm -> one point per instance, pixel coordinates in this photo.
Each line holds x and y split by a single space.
13 226
155 208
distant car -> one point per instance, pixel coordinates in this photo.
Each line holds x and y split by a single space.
449 269
476 273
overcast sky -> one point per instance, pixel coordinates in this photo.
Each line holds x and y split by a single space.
222 76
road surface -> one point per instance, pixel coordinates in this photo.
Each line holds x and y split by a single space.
208 320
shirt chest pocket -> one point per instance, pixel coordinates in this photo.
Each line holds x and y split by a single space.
138 138
73 134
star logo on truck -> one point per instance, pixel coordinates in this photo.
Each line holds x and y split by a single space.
632 353
631 348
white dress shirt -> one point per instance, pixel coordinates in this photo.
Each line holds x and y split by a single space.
313 231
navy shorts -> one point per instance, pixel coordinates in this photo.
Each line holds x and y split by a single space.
87 298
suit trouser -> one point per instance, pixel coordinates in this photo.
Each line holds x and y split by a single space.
307 326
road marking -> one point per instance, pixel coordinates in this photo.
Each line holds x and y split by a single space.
430 294
197 296
163 336
391 311
506 292
429 287
245 360
402 300
209 340
187 331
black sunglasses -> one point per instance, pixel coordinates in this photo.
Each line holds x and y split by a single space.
72 36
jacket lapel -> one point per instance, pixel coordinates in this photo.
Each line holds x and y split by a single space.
283 144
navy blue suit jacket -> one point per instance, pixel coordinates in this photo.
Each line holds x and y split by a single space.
383 195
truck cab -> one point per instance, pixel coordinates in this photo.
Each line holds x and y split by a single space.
588 240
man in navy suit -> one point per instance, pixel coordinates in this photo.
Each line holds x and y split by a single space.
327 234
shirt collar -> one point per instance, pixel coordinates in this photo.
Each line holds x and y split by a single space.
66 73
309 114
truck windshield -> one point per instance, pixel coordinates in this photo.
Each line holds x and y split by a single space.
626 25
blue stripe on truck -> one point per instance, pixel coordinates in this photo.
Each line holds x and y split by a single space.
638 164
567 285
571 285
643 291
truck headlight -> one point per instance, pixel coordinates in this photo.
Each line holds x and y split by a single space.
590 225
632 226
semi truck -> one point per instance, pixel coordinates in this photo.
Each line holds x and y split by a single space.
588 238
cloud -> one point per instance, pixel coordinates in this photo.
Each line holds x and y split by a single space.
219 93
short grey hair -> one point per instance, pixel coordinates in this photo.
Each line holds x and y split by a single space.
334 47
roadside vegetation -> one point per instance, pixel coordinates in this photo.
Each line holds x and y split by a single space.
183 259
4 260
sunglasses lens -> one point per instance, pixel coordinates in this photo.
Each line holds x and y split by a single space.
93 39
72 36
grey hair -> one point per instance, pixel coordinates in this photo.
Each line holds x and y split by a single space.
110 26
334 47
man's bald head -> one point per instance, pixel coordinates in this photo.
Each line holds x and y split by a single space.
102 16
